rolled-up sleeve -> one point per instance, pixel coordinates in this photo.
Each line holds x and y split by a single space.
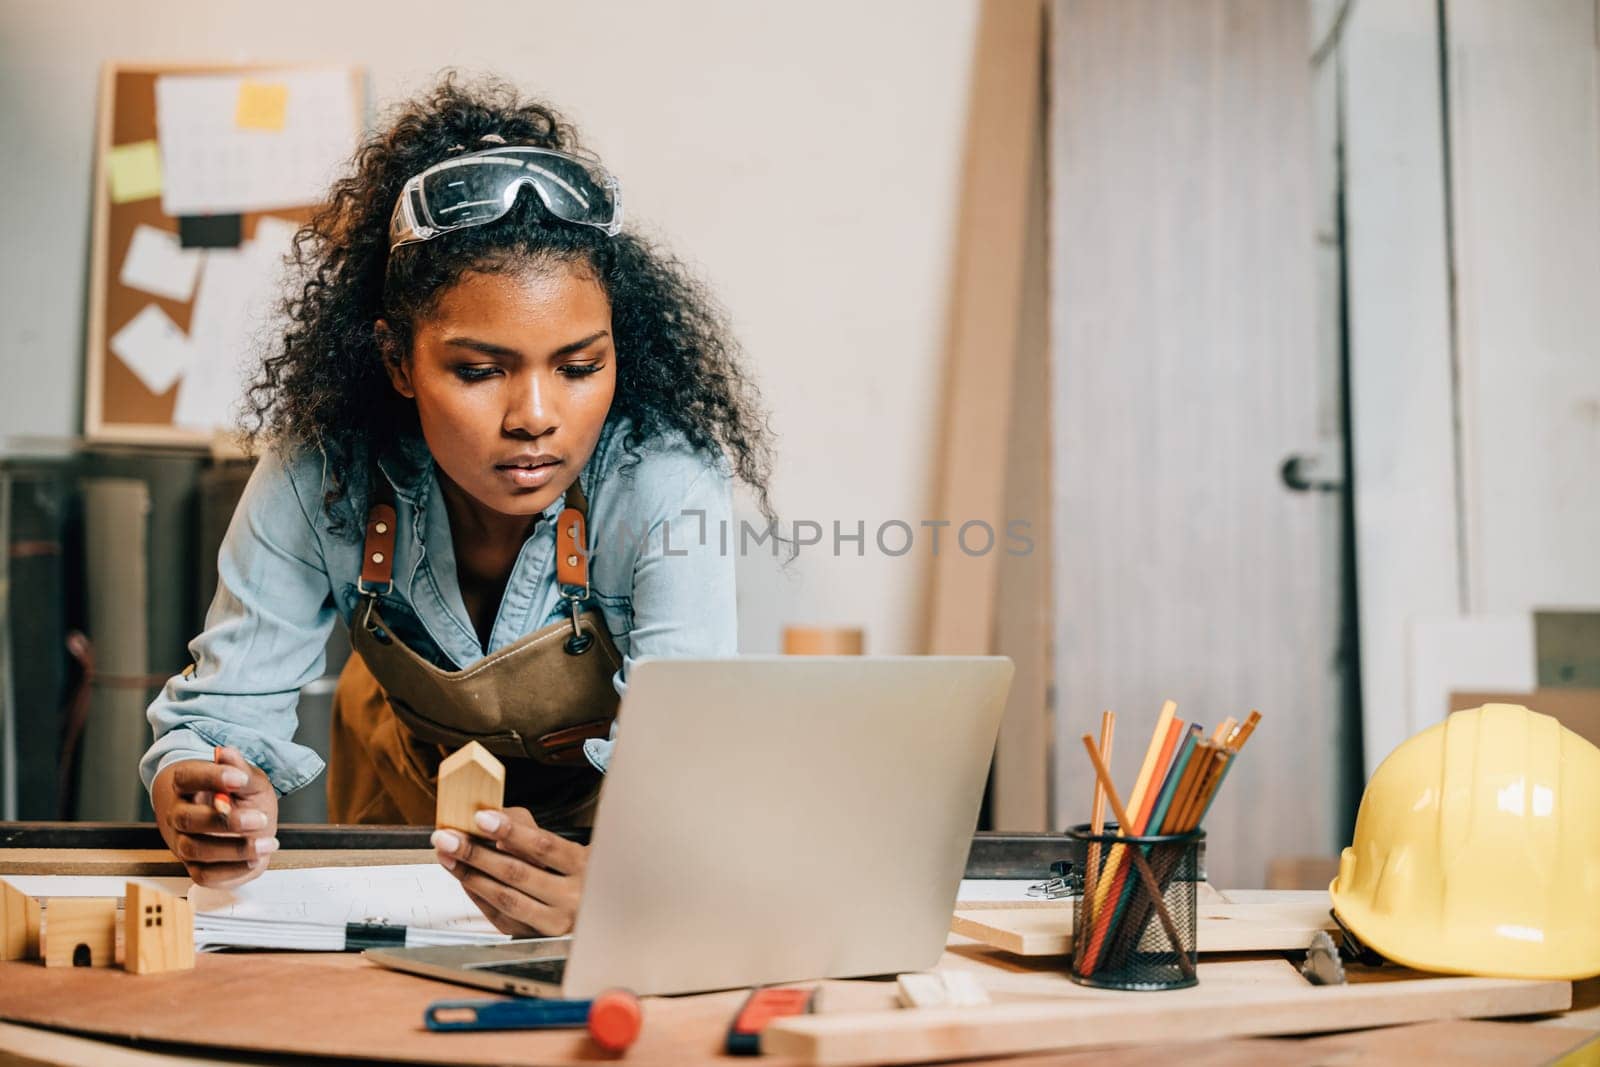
265 638
684 597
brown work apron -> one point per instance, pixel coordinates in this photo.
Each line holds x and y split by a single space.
532 703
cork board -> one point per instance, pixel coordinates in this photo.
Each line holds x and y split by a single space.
119 405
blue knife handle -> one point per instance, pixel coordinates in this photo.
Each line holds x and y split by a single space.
530 1014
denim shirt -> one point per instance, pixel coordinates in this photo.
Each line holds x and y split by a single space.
284 577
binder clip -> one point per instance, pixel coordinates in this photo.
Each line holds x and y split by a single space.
1063 882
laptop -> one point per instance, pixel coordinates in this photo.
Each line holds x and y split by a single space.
767 819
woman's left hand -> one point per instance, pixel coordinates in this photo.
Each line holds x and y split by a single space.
525 879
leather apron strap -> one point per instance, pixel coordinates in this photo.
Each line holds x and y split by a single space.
377 559
396 714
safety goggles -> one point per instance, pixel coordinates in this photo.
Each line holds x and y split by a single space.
481 187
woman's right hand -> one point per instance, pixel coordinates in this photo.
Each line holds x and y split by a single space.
217 849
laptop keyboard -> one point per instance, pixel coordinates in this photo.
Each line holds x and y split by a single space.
549 970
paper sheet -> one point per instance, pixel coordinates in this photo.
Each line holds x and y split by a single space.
135 171
210 165
156 264
230 327
996 891
309 908
154 348
261 105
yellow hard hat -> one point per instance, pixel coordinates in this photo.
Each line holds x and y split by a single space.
1477 850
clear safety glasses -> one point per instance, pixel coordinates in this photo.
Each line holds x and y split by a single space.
481 187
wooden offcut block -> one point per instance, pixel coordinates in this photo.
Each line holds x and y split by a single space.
80 932
823 641
19 924
157 931
470 780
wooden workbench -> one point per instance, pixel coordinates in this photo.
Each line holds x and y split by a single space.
294 1008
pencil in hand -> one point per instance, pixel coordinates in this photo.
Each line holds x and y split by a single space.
221 800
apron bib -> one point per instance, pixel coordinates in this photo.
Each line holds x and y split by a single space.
396 716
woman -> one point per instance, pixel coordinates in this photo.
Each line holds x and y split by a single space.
500 428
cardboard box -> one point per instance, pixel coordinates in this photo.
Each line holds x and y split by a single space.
1578 709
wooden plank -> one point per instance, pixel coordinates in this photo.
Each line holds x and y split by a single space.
1184 371
1020 797
1021 794
300 1004
1460 1042
1001 135
31 1045
993 855
1252 926
1140 1018
139 861
1005 981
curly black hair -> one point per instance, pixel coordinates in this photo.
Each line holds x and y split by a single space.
324 385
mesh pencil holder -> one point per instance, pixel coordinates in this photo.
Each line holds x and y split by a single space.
1119 939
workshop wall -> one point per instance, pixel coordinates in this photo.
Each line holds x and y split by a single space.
803 159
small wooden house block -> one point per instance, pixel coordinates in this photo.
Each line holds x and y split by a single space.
19 924
470 780
80 932
157 931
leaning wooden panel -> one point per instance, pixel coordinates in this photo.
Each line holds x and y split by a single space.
1143 1018
1002 135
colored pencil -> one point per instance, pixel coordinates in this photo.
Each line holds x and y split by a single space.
1137 854
1097 812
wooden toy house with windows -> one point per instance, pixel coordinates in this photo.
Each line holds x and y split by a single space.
158 930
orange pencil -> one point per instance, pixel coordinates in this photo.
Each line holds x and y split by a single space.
1097 814
222 801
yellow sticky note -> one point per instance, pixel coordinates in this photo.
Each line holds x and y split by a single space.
261 105
135 171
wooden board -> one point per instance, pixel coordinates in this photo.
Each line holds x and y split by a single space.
30 1045
1195 1014
158 861
1002 136
992 467
263 992
1458 1042
1279 921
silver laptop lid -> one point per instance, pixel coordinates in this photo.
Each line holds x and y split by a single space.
782 818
